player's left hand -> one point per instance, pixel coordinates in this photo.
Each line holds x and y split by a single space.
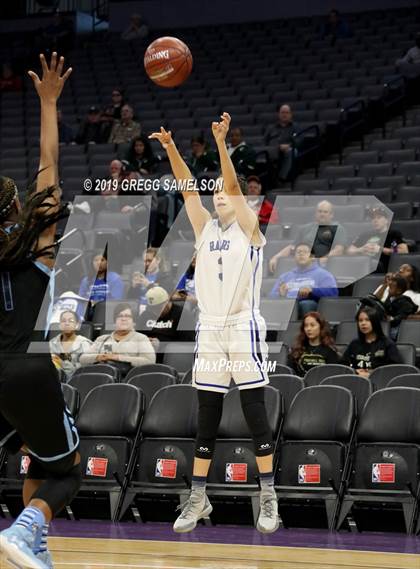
50 86
220 129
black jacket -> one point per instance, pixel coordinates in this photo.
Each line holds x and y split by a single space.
399 308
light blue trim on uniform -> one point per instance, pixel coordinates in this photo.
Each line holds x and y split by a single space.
6 286
73 444
51 287
7 437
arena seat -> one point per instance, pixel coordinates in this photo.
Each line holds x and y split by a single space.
109 426
151 368
167 447
360 387
387 456
99 368
150 383
409 333
406 380
314 455
72 398
316 374
180 356
85 382
381 376
408 353
288 385
336 310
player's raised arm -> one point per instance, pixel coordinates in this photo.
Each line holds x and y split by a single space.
197 214
247 219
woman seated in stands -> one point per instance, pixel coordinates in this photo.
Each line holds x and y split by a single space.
101 284
68 346
155 273
140 156
314 345
411 274
124 348
371 349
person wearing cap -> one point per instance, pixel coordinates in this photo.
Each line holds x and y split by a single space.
68 346
380 241
124 347
91 130
242 154
162 317
264 209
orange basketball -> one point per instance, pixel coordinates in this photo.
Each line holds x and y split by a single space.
168 62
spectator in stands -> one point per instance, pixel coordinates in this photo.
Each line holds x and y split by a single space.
314 345
308 282
335 28
91 130
202 158
68 346
65 132
124 348
380 241
371 349
101 284
242 155
328 238
125 129
112 112
281 134
265 210
156 271
161 319
185 289
137 29
398 306
140 156
411 274
9 81
412 57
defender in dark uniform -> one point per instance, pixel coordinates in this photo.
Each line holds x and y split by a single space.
33 413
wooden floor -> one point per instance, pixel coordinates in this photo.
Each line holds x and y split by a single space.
72 553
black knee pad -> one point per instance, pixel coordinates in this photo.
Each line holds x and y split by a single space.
253 407
210 407
63 481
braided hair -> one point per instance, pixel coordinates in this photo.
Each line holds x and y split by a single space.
39 212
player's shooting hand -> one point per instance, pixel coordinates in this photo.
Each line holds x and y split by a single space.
51 84
164 137
220 129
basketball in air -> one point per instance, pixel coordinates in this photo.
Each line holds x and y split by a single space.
168 62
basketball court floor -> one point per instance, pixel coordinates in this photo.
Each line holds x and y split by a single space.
102 545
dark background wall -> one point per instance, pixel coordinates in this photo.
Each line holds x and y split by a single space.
186 13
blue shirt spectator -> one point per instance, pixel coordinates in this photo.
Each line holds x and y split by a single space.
105 285
307 282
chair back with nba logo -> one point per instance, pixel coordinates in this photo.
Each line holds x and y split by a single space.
166 452
314 455
234 464
387 462
109 425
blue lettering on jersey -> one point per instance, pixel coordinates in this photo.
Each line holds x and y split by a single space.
220 245
6 286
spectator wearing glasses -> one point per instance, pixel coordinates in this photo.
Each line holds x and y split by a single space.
124 347
68 346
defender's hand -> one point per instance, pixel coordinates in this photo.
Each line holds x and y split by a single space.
50 86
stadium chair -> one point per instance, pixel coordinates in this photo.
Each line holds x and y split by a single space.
109 425
359 158
187 377
167 447
383 194
370 171
408 333
398 156
336 310
150 383
360 387
298 215
348 184
401 210
349 212
367 285
288 336
72 398
387 456
151 368
347 270
305 186
408 353
179 356
278 312
85 382
381 376
347 331
107 369
314 454
288 385
409 194
281 369
267 285
383 145
315 375
332 172
234 470
406 380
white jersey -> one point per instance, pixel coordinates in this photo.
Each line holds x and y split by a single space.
228 273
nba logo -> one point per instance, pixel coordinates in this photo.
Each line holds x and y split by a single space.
25 461
229 472
159 468
376 474
383 473
302 473
90 467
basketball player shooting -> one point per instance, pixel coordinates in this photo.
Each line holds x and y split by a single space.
231 329
33 414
